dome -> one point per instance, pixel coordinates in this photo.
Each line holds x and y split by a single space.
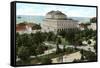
55 15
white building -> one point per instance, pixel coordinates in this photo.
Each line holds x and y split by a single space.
57 21
92 26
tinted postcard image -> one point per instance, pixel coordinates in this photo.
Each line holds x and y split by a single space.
49 34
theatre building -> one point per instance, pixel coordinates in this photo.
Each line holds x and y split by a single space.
57 21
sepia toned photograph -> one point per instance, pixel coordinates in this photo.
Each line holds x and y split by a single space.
55 34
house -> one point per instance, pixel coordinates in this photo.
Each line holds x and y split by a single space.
23 28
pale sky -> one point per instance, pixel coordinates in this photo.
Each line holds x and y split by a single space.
42 9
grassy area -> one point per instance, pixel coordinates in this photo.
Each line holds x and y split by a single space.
64 42
35 61
50 47
53 55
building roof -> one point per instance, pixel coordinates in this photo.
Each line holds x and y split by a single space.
55 15
23 26
20 27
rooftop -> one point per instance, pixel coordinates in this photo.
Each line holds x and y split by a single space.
55 15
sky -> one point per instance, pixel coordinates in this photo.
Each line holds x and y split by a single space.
42 9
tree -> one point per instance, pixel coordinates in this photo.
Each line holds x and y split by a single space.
64 49
46 60
64 44
70 36
37 46
82 55
51 36
38 38
36 26
58 41
95 46
24 54
40 49
62 33
18 40
25 40
89 42
76 60
58 50
79 42
89 56
93 20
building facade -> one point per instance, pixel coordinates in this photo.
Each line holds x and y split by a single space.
57 21
92 26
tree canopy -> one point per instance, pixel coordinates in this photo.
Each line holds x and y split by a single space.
93 20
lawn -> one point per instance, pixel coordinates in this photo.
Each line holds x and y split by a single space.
53 55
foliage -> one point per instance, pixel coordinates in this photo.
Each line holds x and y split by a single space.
32 44
75 61
89 42
46 60
51 36
36 26
95 46
58 41
88 55
70 50
93 20
23 53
